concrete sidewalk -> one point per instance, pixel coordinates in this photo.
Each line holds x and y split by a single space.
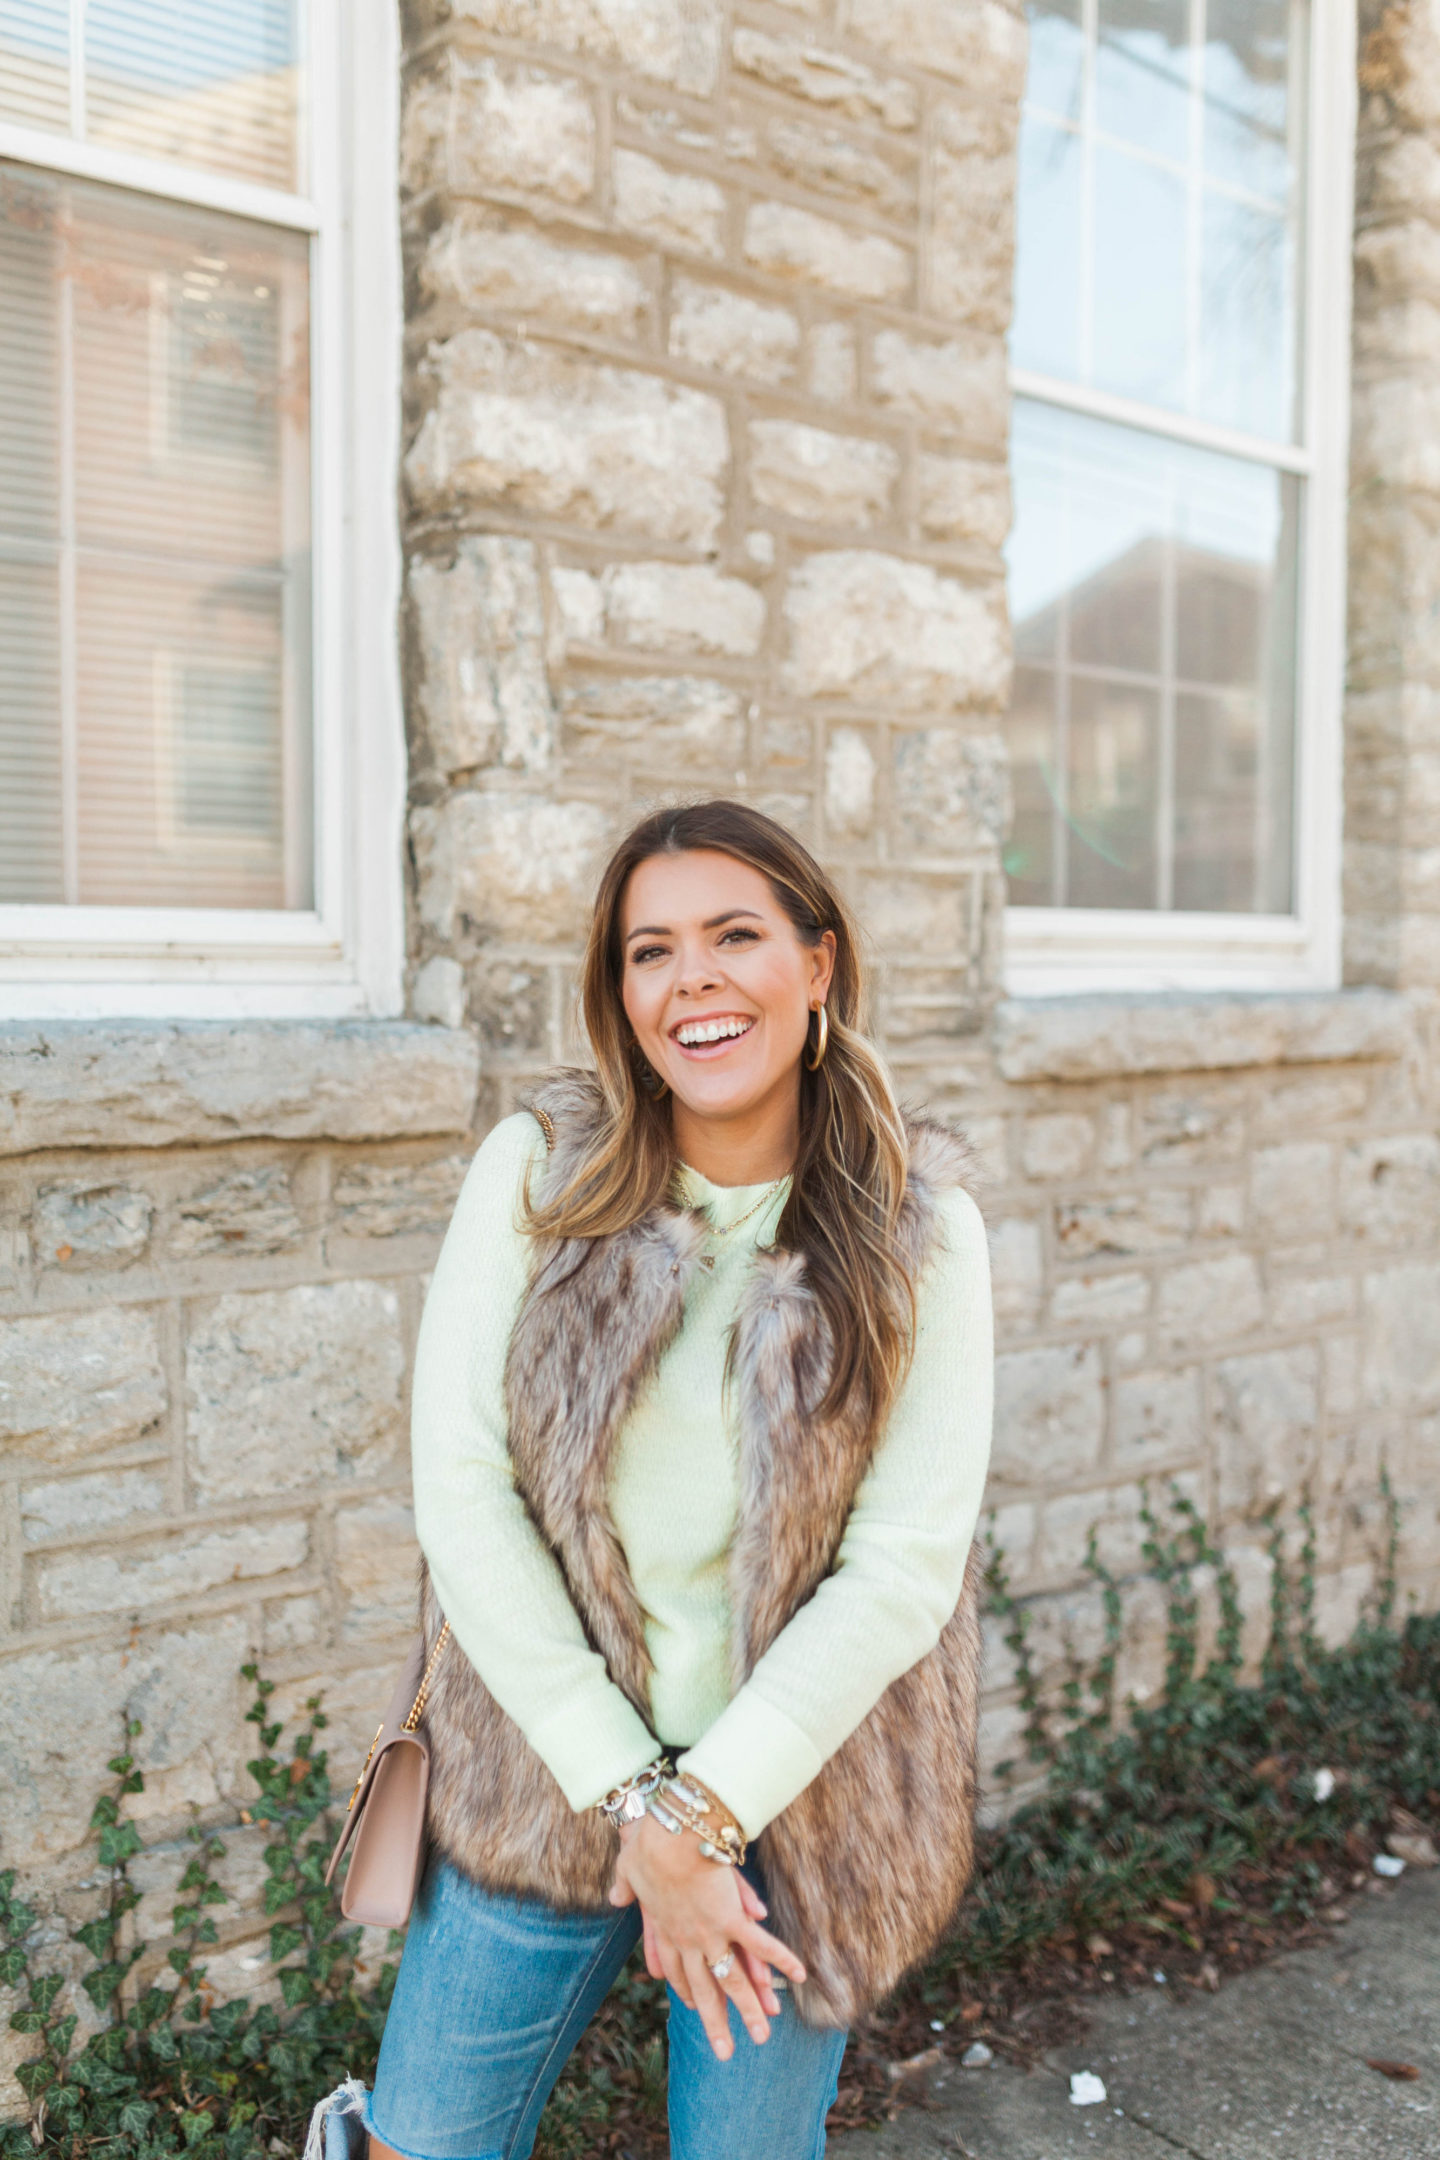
1274 2064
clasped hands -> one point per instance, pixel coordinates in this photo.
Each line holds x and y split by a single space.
696 1912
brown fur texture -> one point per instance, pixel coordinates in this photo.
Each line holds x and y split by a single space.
865 1868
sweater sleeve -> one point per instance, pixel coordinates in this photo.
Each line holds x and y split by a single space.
902 1559
500 1586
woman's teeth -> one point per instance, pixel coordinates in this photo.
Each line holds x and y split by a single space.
708 1031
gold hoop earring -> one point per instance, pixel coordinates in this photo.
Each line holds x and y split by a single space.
822 1041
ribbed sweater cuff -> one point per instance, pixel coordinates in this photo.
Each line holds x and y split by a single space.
755 1759
593 1745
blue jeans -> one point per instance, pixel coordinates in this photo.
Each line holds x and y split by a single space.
492 1996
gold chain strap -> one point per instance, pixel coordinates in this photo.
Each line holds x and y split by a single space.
417 1708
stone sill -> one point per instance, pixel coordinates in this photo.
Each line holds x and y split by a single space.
146 1083
1099 1037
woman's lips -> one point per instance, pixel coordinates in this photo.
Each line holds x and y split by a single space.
712 1049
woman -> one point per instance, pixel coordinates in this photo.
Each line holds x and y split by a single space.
701 1418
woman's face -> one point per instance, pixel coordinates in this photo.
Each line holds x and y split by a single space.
716 984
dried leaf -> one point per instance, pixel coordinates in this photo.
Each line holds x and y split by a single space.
1404 2071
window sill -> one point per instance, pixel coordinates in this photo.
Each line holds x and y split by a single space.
1102 1037
137 1083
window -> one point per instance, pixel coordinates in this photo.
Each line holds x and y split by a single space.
194 743
1176 562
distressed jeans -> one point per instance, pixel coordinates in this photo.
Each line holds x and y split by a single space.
493 1994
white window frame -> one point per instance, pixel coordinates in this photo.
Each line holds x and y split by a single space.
345 955
1050 951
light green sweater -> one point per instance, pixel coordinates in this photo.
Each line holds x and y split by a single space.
673 1496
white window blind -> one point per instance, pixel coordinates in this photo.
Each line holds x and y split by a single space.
1167 561
155 555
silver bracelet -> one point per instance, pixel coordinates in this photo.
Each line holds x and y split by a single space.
626 1803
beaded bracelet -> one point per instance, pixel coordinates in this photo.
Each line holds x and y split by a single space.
685 1804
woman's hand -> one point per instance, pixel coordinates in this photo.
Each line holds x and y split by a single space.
695 1911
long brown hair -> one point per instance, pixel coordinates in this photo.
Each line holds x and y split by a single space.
850 1169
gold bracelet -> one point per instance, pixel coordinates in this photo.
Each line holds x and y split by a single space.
626 1803
683 1803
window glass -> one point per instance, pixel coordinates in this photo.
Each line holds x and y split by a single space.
1152 591
154 552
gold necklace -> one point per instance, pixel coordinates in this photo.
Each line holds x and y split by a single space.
707 1260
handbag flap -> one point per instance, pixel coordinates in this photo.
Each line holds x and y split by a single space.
392 1729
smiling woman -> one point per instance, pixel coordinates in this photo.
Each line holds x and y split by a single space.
701 1422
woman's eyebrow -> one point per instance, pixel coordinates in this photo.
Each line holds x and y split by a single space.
712 922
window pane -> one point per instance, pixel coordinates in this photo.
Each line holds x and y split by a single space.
161 482
1057 58
1253 56
1142 67
1158 583
1247 310
1046 331
35 63
203 82
1140 278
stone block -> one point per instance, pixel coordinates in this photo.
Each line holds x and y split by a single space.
480 262
1049 1413
1158 1417
1113 1514
1306 1302
482 695
832 162
654 38
147 1083
1102 1035
490 128
1017 1269
806 472
951 792
1220 1210
803 68
1402 1336
389 1199
1342 1373
87 1228
130 1578
969 267
680 608
292 1388
438 992
896 634
1057 1144
917 918
1013 1531
833 369
515 867
1340 1600
53 1508
78 1383
849 783
511 1000
1292 1189
245 1211
980 44
676 210
666 720
1195 1124
712 327
1157 1219
797 245
553 435
965 499
377 1562
1100 1301
958 385
1267 1418
1390 1189
62 1723
1209 1301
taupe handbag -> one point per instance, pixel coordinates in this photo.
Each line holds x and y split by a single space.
384 1826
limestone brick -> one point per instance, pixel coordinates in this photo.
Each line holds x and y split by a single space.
483 263
682 609
1117 1225
825 77
132 1578
1017 1273
1097 1037
1191 1125
713 327
1402 1346
964 499
1267 1418
655 38
807 472
97 1500
969 267
849 782
669 721
375 1563
678 210
86 1227
1049 1413
291 1388
1311 1301
438 991
383 1200
483 126
1099 1301
1112 1514
957 385
512 998
1210 1301
512 866
242 1211
923 918
801 247
1293 1189
535 430
834 162
1158 1416
77 1384
1058 1145
868 625
980 45
951 791
1390 1189
833 362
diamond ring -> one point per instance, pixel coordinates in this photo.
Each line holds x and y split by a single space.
721 1966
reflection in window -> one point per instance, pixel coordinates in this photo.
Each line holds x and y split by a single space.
1152 589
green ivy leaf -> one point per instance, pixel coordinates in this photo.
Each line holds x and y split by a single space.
12 1966
27 2021
119 1843
135 2118
43 1992
35 2077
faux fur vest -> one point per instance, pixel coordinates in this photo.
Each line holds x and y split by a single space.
865 1868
